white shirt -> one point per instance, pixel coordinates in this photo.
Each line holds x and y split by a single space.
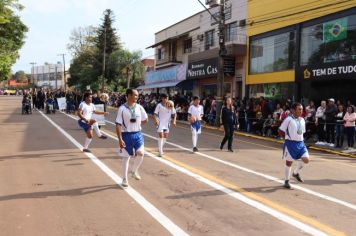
88 110
293 124
163 113
124 115
196 111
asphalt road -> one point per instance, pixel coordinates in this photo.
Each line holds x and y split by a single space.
49 187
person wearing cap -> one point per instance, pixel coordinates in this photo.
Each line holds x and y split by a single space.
195 114
164 114
330 113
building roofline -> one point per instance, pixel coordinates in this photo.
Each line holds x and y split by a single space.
180 21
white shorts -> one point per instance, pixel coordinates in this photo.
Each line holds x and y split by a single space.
163 127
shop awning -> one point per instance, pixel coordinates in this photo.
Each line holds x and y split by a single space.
158 85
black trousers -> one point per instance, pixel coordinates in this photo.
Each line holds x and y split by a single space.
229 135
330 133
350 132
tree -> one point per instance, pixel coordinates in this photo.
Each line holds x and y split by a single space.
82 39
20 76
107 41
123 61
12 34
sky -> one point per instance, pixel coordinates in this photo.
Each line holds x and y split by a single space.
50 23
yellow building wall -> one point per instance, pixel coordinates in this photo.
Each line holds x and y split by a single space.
267 15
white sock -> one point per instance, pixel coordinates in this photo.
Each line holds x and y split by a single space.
164 141
194 138
137 163
299 167
125 166
87 142
96 129
160 145
287 170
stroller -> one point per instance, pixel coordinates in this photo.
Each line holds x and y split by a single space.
50 106
26 106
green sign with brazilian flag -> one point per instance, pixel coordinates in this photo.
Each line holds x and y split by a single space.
335 30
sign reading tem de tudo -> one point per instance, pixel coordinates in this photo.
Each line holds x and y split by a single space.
345 70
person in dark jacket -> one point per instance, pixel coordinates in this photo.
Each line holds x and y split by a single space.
330 113
228 120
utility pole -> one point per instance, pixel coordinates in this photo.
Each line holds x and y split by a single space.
55 76
104 58
128 74
64 71
222 54
33 72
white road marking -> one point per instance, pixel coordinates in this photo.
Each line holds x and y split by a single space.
152 210
255 204
269 177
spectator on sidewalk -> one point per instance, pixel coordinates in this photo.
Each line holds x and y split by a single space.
330 113
320 122
340 126
350 118
310 110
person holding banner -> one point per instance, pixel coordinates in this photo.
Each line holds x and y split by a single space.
164 114
85 112
129 118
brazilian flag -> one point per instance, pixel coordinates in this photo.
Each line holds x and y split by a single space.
335 30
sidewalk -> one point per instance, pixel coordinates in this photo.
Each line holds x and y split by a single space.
312 147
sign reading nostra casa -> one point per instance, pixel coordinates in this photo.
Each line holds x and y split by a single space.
342 70
204 68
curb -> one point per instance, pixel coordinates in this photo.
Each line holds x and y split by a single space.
274 140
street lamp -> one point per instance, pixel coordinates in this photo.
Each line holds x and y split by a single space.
64 71
33 72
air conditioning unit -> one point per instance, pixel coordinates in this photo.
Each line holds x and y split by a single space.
212 3
242 23
200 37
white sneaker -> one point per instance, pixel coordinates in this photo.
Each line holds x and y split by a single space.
331 145
318 143
160 154
124 183
323 143
136 176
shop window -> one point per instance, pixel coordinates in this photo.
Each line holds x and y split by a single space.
331 41
209 39
273 53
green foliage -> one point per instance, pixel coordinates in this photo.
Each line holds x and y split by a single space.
20 76
87 47
12 34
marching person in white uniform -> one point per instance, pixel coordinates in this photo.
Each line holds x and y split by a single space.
195 114
129 118
294 149
164 114
85 112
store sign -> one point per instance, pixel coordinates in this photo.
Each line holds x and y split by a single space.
209 67
345 70
202 69
175 73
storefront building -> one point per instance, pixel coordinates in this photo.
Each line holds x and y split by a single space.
307 52
194 42
165 80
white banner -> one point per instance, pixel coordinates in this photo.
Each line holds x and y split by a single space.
62 103
99 118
